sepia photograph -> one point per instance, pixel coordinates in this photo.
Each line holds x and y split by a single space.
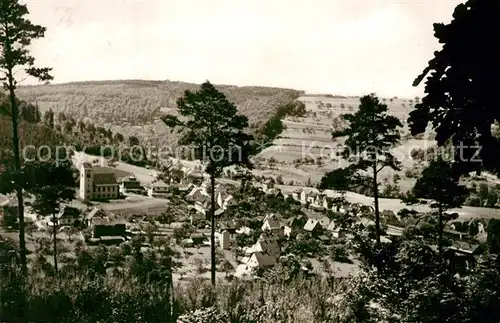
249 161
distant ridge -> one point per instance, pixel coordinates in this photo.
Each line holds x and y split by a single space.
331 96
151 83
135 107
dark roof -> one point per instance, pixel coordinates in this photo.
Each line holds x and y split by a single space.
159 183
264 259
96 212
104 179
110 238
464 247
8 201
228 225
273 223
69 212
108 221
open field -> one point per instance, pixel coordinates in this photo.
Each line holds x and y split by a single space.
134 107
310 138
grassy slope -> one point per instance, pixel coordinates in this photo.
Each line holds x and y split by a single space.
314 131
133 107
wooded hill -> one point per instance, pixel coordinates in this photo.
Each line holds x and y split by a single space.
134 107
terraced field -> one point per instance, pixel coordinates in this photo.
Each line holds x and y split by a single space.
310 138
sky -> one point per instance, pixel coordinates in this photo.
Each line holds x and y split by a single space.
343 47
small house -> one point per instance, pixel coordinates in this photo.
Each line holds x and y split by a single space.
331 226
271 224
387 214
197 194
367 210
266 245
197 238
324 222
267 185
158 189
261 260
319 199
69 216
131 185
230 226
107 227
196 215
111 240
94 214
224 240
466 253
296 222
365 222
297 194
9 209
311 197
313 226
457 235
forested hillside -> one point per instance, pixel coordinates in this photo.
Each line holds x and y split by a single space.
134 107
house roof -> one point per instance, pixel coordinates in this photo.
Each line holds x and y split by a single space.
311 224
464 247
8 201
294 221
94 213
325 219
481 237
273 223
108 221
69 212
269 246
159 183
104 179
86 165
128 179
228 225
324 237
312 194
264 259
386 212
365 222
3 199
196 191
331 226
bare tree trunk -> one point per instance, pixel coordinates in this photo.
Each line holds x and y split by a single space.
54 226
17 165
440 231
375 196
212 233
170 289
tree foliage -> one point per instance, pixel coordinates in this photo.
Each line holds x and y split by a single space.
440 182
370 134
211 125
16 34
461 100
